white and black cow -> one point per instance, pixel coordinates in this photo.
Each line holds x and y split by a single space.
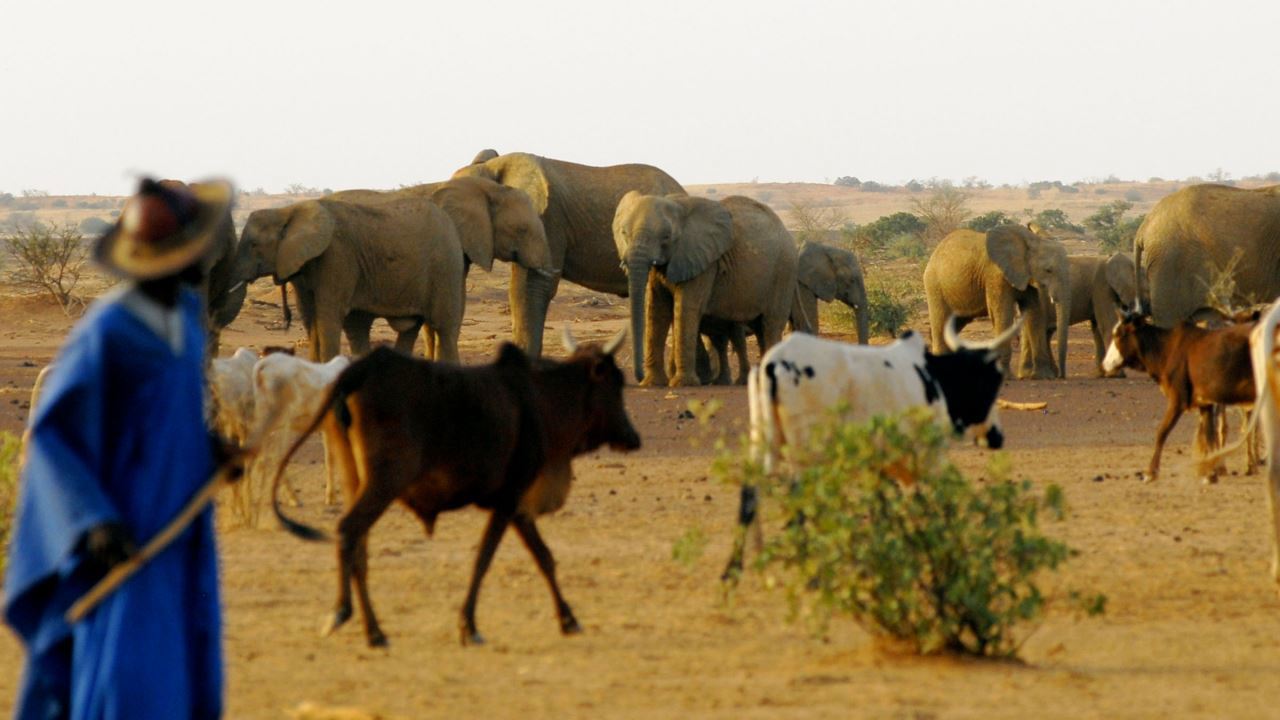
801 380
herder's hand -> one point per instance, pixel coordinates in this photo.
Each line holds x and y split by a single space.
108 545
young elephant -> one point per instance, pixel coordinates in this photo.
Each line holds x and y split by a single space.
1099 287
827 273
689 257
973 274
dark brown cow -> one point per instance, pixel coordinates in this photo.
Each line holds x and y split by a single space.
1196 368
440 437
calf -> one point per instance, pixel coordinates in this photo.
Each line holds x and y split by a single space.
440 437
1196 368
802 379
289 391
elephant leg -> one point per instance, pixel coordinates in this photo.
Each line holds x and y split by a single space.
1000 307
328 335
356 327
429 343
703 361
446 348
938 314
739 339
690 302
657 322
530 295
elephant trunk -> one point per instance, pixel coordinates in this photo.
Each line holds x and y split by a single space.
1064 327
638 280
863 315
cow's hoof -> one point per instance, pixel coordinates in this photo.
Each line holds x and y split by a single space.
1209 480
471 637
377 639
335 621
1148 477
570 626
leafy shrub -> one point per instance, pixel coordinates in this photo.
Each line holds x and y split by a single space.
94 226
887 531
877 234
942 211
48 259
1112 228
907 245
847 181
873 186
1100 191
10 451
988 220
1069 189
890 306
688 548
1055 219
1133 195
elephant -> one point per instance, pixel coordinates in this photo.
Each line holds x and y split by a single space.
576 204
689 257
1194 233
823 273
492 220
1101 286
828 273
223 296
400 259
973 274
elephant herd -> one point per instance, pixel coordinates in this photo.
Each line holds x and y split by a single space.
690 265
695 267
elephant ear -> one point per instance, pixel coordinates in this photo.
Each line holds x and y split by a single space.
306 234
1007 248
705 233
467 205
1120 276
817 271
622 217
523 172
484 156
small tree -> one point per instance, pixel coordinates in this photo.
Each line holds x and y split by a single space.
988 220
887 531
814 222
848 181
1053 219
1112 228
48 259
942 211
876 235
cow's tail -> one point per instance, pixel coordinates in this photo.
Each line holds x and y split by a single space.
347 383
1262 346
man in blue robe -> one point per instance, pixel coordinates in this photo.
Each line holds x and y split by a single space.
118 446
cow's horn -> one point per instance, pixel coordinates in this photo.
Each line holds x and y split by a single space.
614 343
1007 335
950 336
566 337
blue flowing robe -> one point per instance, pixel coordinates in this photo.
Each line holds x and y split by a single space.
118 435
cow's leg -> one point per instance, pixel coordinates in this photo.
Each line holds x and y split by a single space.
353 530
488 545
1273 497
1212 427
1172 412
547 564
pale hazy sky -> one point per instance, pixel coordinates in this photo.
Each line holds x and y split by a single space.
376 94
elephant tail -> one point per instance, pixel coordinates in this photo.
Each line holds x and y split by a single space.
284 305
1138 294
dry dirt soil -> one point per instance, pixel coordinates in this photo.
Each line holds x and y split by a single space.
1192 626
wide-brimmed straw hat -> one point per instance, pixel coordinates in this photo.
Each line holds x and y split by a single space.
164 228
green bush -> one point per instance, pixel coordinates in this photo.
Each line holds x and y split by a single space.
890 306
10 451
907 245
1055 219
887 531
876 235
1112 228
988 220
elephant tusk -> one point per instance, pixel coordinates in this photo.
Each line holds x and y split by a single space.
235 287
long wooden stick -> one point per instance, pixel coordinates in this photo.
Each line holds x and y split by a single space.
1011 405
125 570
122 572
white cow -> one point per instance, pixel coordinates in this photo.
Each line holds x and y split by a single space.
231 394
1266 410
293 390
802 379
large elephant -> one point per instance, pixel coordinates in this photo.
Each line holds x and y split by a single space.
689 257
576 204
828 273
1193 233
399 259
973 274
1099 287
493 222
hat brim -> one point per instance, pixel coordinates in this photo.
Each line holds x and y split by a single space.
122 255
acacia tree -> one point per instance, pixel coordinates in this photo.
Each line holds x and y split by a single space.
942 211
48 259
815 222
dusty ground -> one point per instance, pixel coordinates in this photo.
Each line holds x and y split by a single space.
1192 629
